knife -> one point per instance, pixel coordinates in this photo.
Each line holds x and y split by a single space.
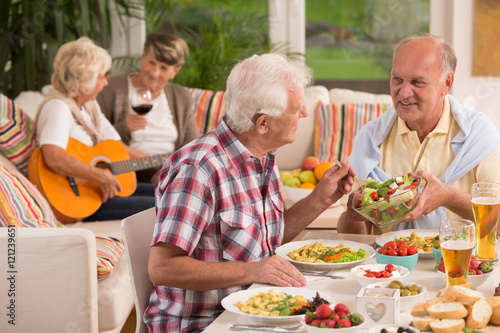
266 328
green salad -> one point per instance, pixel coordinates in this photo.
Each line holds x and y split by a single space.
387 201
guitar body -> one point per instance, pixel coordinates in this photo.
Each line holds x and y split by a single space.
66 204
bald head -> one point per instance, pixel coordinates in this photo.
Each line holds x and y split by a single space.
431 43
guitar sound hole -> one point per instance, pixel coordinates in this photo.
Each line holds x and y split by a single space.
102 165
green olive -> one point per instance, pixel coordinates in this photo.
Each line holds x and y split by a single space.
413 293
394 285
404 292
399 283
414 287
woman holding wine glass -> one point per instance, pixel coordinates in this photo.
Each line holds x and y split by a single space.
170 122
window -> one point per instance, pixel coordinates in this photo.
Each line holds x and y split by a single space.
349 43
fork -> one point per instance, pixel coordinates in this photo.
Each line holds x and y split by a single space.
358 179
266 328
330 274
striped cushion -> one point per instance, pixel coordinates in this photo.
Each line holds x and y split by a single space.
21 204
109 252
208 107
337 124
17 141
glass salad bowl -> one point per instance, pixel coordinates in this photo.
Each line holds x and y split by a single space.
385 203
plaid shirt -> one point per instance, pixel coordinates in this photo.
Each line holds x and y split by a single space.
218 203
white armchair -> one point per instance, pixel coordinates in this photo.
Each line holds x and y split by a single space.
54 281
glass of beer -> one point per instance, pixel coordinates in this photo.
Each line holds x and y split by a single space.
456 238
486 208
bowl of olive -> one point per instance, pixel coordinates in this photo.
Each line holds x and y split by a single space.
410 293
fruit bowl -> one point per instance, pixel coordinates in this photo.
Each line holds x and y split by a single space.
386 211
475 280
296 194
358 273
408 262
405 302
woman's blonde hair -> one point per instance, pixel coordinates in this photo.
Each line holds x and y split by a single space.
77 65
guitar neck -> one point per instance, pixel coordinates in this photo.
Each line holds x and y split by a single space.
135 164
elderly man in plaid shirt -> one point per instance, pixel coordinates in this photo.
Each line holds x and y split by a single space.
220 214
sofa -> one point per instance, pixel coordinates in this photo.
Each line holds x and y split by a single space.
54 277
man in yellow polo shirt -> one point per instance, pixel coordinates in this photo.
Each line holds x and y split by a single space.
463 146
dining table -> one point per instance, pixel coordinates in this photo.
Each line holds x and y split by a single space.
345 290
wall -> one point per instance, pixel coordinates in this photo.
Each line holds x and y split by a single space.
453 20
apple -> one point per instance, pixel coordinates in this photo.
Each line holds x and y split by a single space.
310 163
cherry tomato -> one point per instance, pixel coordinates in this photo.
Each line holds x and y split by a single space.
377 215
412 250
390 245
374 195
402 251
358 203
385 274
390 268
401 243
392 252
369 275
382 251
376 274
391 211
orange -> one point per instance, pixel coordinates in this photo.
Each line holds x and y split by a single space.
307 185
321 169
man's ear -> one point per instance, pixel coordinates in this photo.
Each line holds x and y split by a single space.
448 82
261 124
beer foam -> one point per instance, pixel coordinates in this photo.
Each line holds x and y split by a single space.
457 245
486 201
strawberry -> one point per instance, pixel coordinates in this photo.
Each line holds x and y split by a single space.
441 266
323 311
474 264
330 323
343 323
341 308
310 317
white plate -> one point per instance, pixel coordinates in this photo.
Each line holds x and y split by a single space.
229 303
389 236
286 248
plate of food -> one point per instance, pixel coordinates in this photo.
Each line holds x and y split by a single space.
274 305
325 255
424 239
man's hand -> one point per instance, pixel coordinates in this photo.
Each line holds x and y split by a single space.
134 122
334 184
277 271
434 195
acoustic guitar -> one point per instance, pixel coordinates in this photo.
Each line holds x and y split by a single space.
73 199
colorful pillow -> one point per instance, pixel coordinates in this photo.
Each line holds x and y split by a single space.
109 252
336 126
17 140
208 107
21 204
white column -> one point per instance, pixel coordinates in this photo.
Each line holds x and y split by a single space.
287 25
127 39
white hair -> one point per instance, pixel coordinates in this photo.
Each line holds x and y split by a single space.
260 85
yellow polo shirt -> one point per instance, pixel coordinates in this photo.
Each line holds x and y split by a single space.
401 147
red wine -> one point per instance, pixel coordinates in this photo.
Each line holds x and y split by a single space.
142 108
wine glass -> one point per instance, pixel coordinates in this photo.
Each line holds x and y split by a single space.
456 238
141 101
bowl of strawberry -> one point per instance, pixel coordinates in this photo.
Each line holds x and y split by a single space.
366 274
398 253
479 271
325 319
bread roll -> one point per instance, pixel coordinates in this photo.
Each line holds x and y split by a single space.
423 323
447 325
419 311
495 315
460 294
479 315
448 310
